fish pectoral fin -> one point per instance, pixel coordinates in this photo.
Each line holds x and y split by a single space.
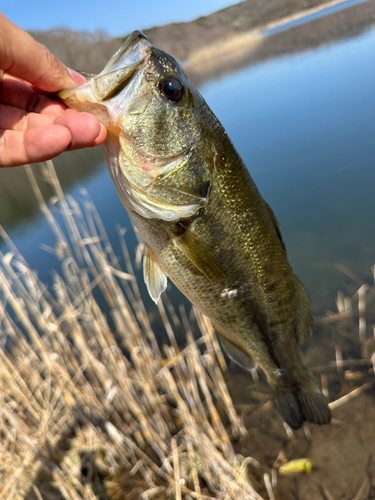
154 276
236 354
304 315
201 255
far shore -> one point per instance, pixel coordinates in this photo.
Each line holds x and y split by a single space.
253 46
224 40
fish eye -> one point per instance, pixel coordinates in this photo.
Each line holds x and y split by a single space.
172 88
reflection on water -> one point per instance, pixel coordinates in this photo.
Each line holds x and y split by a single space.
17 200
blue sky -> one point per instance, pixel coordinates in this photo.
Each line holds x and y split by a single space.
115 17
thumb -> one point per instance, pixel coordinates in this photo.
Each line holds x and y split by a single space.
24 57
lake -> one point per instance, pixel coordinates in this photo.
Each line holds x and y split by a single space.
304 125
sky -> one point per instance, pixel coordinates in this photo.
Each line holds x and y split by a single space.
116 17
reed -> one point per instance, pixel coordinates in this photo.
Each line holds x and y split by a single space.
94 412
93 408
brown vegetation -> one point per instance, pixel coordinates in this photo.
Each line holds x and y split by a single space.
90 412
99 412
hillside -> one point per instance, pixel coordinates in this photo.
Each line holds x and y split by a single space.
91 51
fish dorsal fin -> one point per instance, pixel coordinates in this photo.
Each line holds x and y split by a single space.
276 224
154 276
236 354
304 313
200 254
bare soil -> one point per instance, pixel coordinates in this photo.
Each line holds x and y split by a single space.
343 453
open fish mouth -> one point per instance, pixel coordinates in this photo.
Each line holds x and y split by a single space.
133 50
112 79
121 66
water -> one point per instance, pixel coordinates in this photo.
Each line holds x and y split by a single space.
307 134
305 126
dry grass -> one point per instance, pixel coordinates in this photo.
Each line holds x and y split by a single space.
91 407
90 412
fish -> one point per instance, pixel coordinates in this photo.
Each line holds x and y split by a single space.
205 225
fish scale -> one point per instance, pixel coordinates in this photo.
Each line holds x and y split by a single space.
205 225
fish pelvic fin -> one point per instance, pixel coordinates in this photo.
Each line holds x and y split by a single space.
304 404
235 354
154 276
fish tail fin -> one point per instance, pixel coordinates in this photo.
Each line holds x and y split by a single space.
303 404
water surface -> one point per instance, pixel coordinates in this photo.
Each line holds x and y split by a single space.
305 126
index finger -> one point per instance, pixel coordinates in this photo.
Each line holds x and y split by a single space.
24 57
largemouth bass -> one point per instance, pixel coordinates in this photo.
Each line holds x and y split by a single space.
205 225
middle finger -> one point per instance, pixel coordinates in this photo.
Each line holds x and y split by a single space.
12 118
20 94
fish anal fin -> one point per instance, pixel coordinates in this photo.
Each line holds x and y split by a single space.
236 355
201 255
154 276
304 313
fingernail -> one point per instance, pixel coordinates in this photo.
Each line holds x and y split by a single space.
76 77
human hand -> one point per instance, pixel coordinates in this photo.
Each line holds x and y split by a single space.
33 126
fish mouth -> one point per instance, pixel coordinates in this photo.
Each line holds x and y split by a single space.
120 68
135 48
